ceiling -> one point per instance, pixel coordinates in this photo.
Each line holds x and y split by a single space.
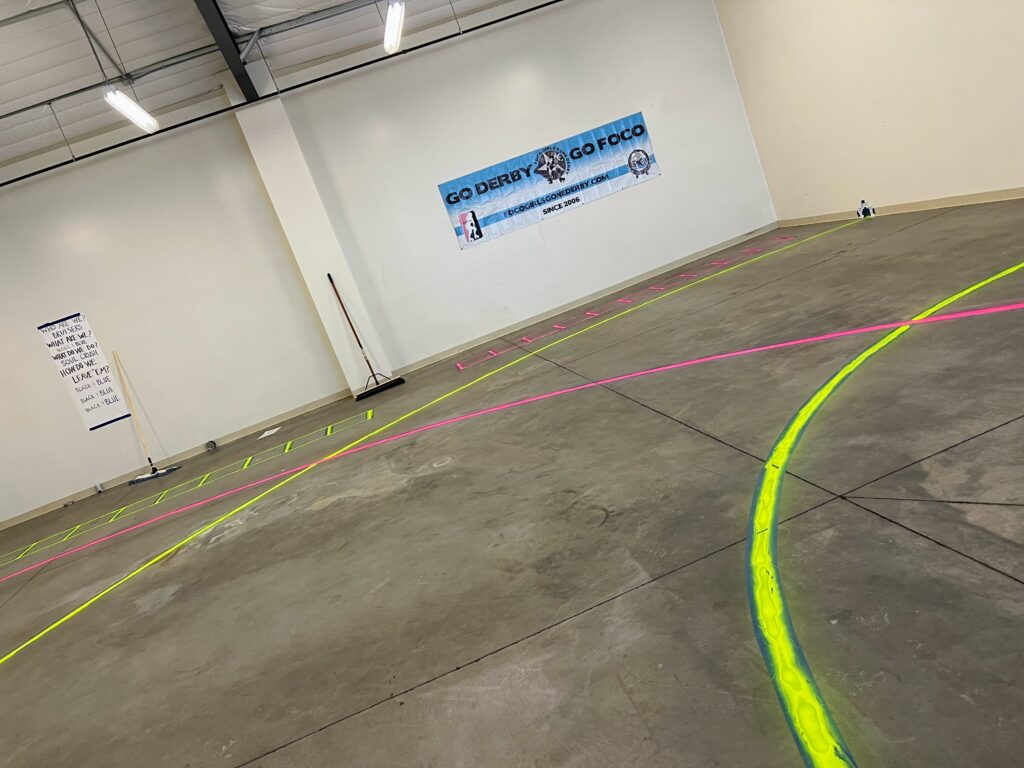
164 56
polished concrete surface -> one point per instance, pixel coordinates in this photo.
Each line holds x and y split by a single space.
563 583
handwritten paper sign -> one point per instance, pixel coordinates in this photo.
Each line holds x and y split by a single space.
85 370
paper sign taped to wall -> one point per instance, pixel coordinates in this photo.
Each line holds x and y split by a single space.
85 370
550 180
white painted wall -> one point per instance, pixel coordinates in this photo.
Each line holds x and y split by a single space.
173 251
380 141
900 101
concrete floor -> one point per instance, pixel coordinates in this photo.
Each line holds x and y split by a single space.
563 584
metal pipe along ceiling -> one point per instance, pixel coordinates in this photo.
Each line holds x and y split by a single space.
130 77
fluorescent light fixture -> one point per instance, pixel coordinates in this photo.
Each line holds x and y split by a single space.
117 98
393 26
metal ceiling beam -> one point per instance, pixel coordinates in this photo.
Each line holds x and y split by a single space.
94 42
181 58
298 86
228 49
35 12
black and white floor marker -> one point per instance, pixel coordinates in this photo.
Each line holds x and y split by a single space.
865 211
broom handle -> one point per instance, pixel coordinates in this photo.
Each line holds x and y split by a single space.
131 409
353 328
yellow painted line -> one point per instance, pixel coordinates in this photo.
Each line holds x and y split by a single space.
817 736
394 422
248 462
287 447
113 515
175 491
71 533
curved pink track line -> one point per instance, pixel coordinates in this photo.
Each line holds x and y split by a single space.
526 401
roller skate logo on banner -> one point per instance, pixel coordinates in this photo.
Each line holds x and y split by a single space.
552 164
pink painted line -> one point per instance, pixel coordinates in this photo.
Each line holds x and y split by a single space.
534 399
572 322
753 250
590 314
544 335
152 520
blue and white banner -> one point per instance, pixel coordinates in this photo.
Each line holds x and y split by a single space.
548 181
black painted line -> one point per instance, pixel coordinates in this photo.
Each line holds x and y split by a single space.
524 638
699 431
939 501
638 286
933 455
933 540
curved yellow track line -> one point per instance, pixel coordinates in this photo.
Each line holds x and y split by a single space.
227 515
816 733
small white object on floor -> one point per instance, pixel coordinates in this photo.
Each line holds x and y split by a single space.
269 432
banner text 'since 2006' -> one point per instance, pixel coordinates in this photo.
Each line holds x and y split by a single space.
550 180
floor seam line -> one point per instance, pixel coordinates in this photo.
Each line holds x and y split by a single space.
690 427
939 501
935 541
648 582
942 212
536 633
696 311
758 287
933 455
23 585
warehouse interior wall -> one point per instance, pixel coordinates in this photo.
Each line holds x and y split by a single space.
505 91
901 103
173 250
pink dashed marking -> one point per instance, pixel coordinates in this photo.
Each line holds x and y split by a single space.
591 314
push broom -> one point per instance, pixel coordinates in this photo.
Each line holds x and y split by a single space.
375 377
154 472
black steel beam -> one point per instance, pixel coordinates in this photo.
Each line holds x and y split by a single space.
228 49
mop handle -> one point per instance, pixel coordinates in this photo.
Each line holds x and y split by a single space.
351 326
131 409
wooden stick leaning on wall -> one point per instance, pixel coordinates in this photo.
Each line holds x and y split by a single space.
154 472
